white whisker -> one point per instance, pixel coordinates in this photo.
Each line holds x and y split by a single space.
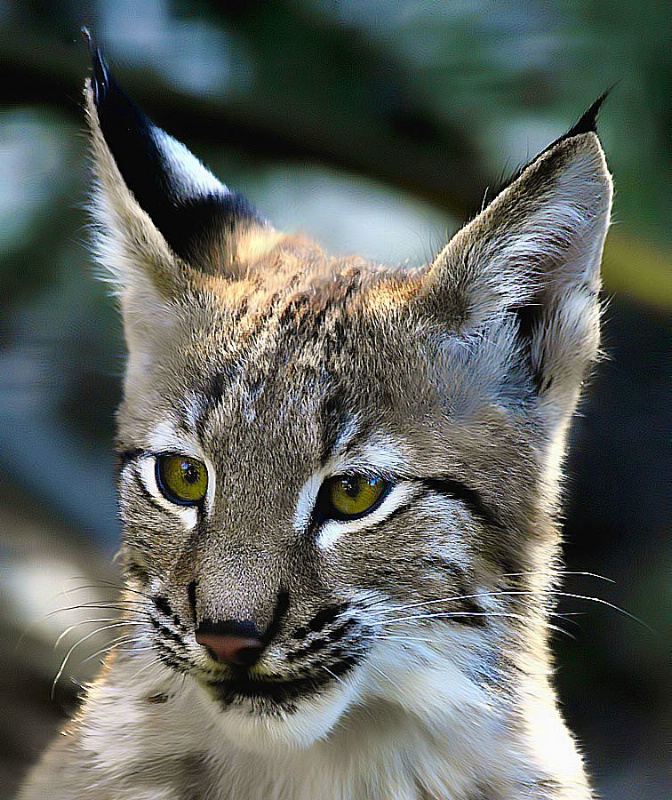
93 621
75 646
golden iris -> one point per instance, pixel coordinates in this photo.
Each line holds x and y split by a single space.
181 479
353 496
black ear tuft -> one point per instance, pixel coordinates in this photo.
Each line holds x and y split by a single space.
588 121
586 124
100 78
188 205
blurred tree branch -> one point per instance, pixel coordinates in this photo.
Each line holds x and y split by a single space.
441 167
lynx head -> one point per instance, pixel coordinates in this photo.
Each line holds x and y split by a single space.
339 479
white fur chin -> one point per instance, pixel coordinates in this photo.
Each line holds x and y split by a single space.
312 721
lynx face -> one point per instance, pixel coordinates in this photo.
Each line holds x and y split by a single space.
338 479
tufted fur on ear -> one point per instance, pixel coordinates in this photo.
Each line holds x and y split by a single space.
163 220
525 271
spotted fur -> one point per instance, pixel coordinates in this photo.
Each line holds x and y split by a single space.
405 653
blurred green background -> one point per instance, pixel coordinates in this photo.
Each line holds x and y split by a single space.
377 127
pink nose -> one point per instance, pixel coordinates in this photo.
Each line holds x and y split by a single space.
230 649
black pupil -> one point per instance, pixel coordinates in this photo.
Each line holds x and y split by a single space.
190 472
352 486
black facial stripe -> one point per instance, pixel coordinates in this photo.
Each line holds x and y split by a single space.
162 605
147 494
470 497
334 419
125 457
171 659
157 699
331 642
281 608
325 616
314 647
135 570
210 395
341 630
468 613
280 692
166 632
191 594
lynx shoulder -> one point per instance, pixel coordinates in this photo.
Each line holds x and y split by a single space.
339 486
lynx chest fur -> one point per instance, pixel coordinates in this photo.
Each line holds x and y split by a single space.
339 486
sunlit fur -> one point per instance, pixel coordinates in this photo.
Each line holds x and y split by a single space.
423 627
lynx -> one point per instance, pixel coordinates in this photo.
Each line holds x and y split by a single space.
340 486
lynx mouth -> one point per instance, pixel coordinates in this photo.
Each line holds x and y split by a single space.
281 693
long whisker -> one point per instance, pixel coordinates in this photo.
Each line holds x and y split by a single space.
606 603
452 614
118 641
333 675
75 646
123 639
103 584
91 622
521 593
385 677
561 573
458 597
131 605
153 663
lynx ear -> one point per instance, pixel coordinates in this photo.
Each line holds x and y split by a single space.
162 216
158 206
526 270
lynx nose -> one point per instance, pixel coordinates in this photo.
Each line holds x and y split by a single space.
231 642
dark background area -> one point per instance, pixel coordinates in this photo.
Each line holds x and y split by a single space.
377 127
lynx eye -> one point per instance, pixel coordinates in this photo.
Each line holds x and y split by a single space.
182 479
346 497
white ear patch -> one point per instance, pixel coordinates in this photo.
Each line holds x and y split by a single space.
192 177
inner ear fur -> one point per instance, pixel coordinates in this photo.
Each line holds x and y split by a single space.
531 261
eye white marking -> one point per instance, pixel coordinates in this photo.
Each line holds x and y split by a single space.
188 515
166 437
381 455
332 530
307 498
346 434
193 408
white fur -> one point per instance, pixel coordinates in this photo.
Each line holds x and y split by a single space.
192 177
332 530
409 717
